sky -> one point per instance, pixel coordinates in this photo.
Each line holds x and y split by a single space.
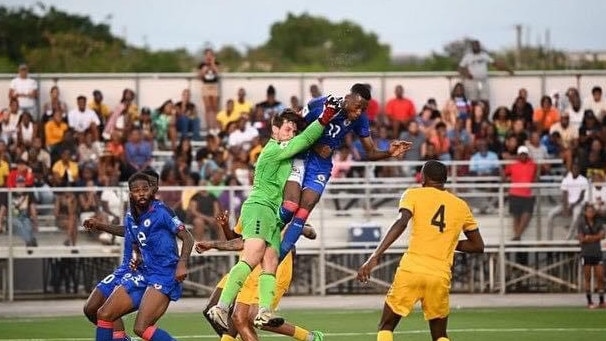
409 27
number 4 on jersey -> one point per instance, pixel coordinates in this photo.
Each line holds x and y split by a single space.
438 219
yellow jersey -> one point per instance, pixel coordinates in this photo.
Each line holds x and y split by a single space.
438 218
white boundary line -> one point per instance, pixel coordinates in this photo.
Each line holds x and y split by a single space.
415 331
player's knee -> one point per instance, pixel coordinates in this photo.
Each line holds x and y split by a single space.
240 319
104 314
90 313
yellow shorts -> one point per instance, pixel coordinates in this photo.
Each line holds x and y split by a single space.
222 282
249 294
408 288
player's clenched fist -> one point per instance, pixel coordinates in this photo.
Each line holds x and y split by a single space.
203 246
332 105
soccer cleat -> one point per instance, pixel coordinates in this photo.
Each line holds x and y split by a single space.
318 335
266 318
219 316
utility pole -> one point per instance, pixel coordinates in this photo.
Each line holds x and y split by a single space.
518 28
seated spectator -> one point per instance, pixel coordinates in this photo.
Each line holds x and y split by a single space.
169 178
484 162
201 212
148 130
113 201
441 142
188 122
54 131
185 151
109 169
553 144
459 137
123 117
492 139
510 148
450 112
83 120
461 101
115 147
573 187
270 106
519 131
575 109
228 115
415 135
137 154
241 168
295 104
521 109
477 120
590 129
545 116
36 154
425 122
594 159
89 203
165 125
597 192
25 215
569 136
27 129
217 180
54 103
538 152
373 110
256 146
501 118
399 110
596 103
89 150
262 125
241 105
243 136
100 108
9 122
232 200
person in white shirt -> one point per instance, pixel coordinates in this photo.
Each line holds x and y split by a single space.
243 135
596 103
597 192
474 71
83 119
25 91
573 189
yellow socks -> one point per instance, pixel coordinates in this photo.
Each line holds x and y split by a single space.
385 335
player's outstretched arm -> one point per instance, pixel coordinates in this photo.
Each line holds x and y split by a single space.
396 149
236 244
222 220
473 244
94 224
395 231
186 247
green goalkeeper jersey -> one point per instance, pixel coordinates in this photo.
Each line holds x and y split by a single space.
275 164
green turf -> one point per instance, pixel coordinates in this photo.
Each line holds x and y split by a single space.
553 324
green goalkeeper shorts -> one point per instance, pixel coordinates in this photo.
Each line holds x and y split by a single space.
260 221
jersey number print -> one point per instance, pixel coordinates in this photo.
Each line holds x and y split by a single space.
438 218
333 130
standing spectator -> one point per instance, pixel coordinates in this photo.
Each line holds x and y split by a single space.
545 116
228 115
400 110
590 235
573 189
25 91
54 102
241 104
521 198
270 106
83 120
188 122
208 71
596 103
474 70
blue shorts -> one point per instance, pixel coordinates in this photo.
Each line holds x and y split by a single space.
317 174
107 285
136 284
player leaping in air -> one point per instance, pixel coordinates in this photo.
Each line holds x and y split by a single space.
261 228
313 173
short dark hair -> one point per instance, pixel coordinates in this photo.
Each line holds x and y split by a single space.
81 97
435 171
596 89
362 90
139 176
288 115
151 173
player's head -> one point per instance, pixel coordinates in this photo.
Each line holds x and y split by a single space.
285 125
154 178
141 190
356 101
434 174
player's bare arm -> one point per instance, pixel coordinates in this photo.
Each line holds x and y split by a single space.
395 231
396 149
473 244
222 220
95 224
186 247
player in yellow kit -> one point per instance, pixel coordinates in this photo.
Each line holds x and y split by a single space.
437 219
246 304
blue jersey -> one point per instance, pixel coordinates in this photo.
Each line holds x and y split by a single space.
107 285
335 131
154 232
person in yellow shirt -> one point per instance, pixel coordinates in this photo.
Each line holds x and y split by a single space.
225 117
241 105
99 107
437 219
54 130
66 168
247 300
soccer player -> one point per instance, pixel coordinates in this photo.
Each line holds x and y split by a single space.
153 227
312 175
247 299
438 218
261 232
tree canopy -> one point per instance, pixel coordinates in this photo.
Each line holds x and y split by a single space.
51 40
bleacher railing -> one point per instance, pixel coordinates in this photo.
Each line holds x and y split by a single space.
492 272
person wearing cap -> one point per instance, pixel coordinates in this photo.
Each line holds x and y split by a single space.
523 171
25 90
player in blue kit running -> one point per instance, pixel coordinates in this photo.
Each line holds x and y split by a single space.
309 179
153 228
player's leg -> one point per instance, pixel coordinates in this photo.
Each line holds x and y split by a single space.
118 304
438 327
314 184
405 291
389 321
212 301
242 321
259 225
153 305
267 285
598 270
292 191
526 214
436 305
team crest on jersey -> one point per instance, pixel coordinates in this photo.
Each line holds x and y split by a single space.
283 144
157 286
147 222
321 178
346 123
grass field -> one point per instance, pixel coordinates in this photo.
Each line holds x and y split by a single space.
553 324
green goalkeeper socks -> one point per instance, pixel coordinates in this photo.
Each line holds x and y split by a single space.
237 276
267 290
